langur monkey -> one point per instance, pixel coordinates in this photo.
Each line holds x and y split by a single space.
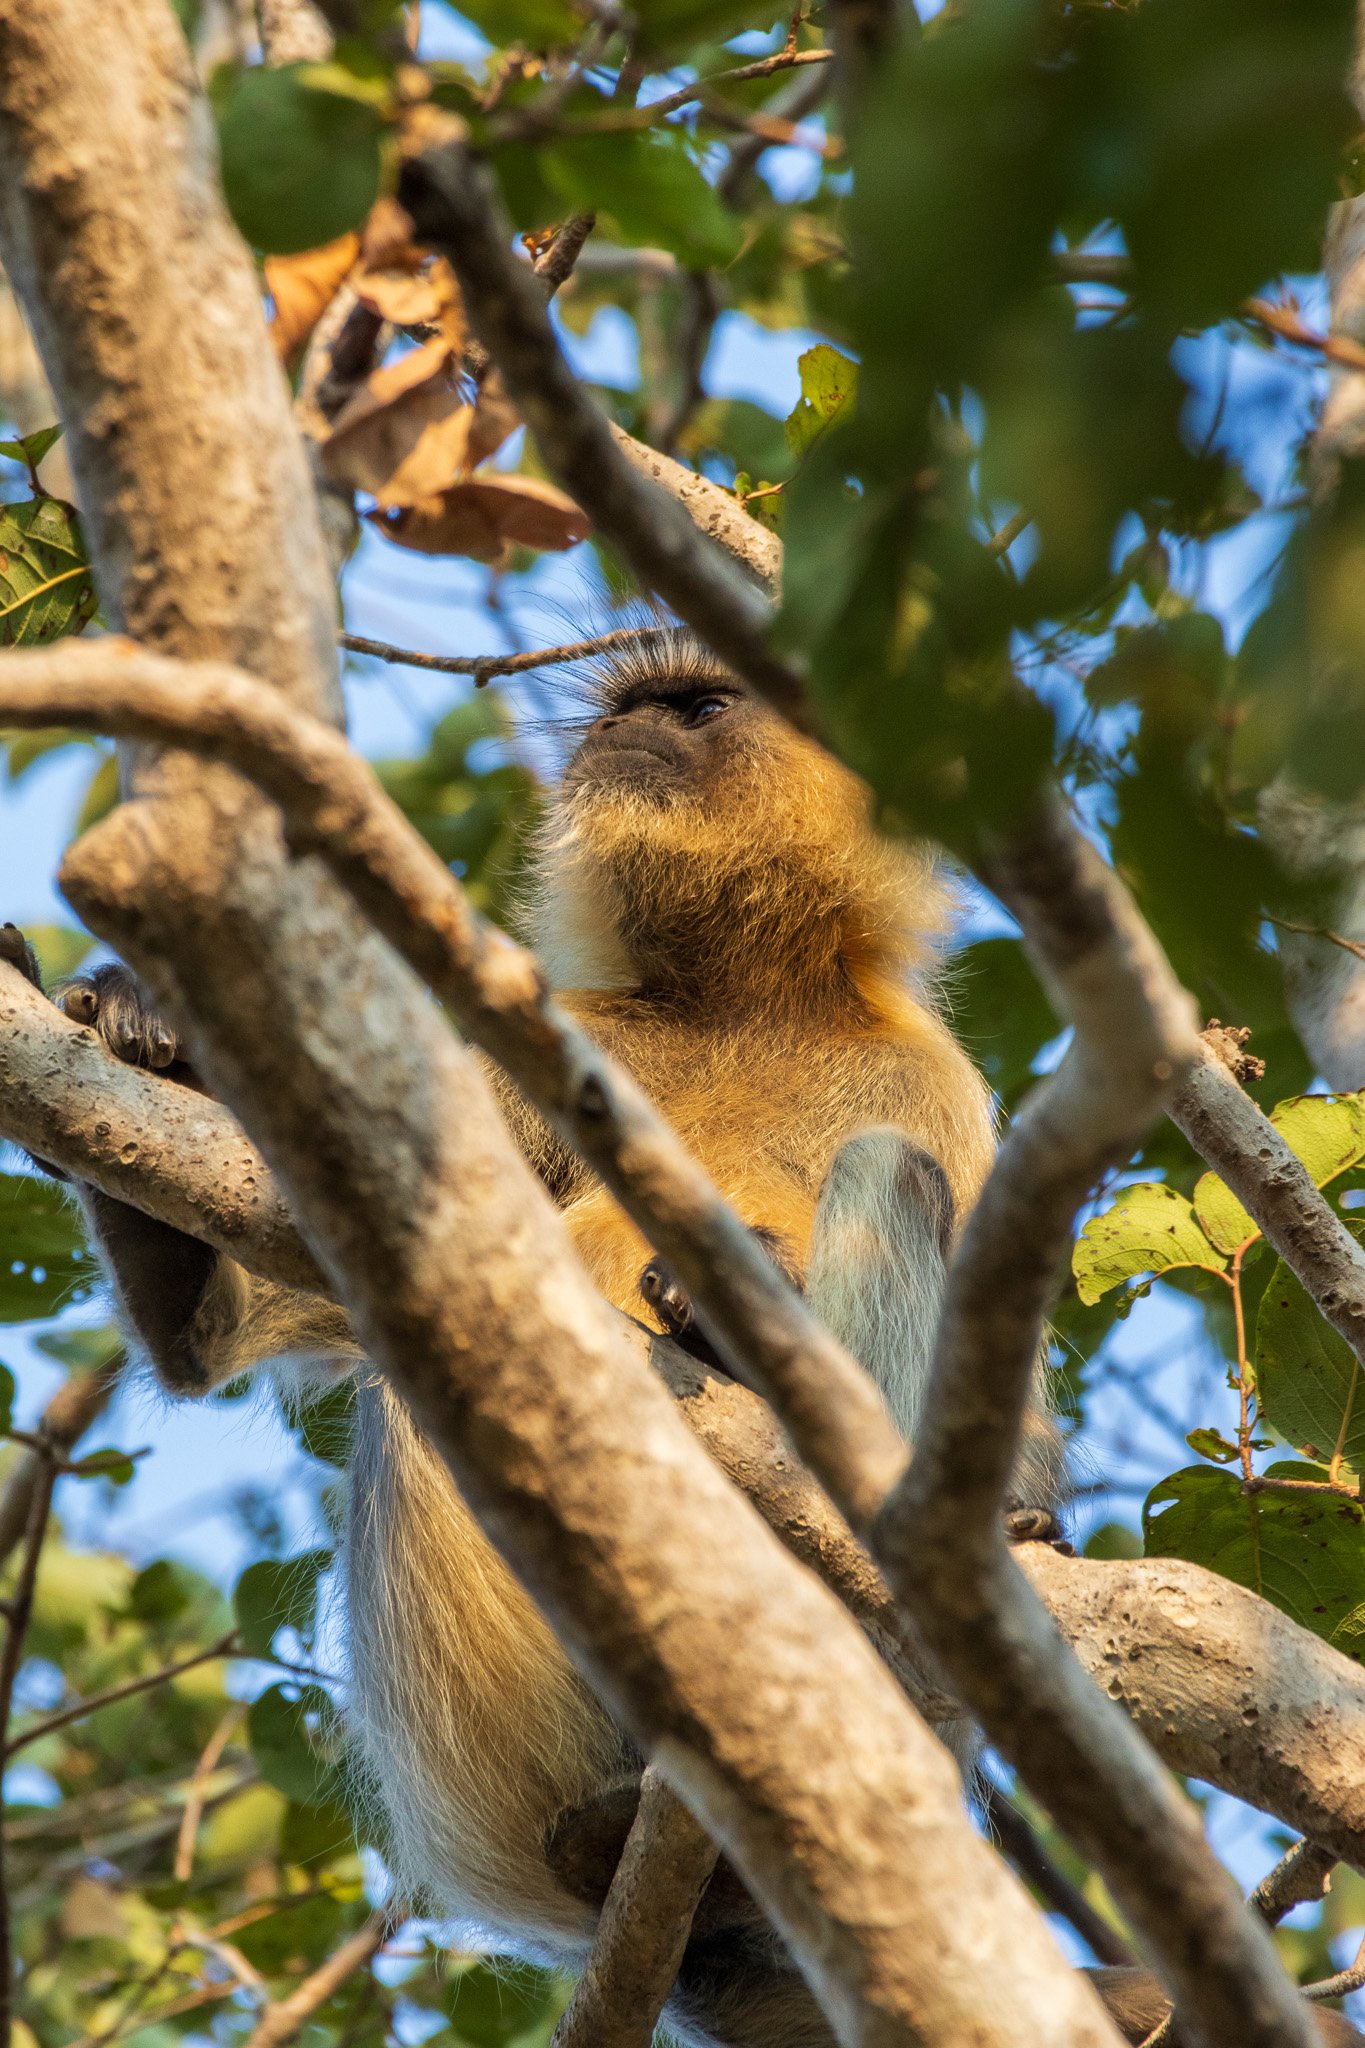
712 903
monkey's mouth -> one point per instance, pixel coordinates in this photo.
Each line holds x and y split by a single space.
628 762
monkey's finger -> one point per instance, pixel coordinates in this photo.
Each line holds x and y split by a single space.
17 952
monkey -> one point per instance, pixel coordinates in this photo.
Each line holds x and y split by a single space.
713 904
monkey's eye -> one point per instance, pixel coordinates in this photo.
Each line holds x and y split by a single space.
702 708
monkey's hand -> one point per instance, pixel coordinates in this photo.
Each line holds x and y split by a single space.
672 1304
109 999
1035 1525
112 1003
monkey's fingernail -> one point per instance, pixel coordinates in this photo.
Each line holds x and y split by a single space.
80 1004
160 1047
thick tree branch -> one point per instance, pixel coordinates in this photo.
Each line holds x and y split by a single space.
714 511
333 803
455 212
643 1928
1223 1685
1244 1148
140 1138
940 1538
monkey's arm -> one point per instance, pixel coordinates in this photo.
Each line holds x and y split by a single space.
199 1316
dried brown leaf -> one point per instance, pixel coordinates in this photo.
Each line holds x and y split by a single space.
484 516
495 417
386 241
405 433
303 287
448 524
417 298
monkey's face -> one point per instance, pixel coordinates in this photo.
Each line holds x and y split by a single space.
664 738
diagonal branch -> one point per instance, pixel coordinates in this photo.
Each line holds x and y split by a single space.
1244 1149
334 804
1224 1686
454 211
281 2022
644 1926
939 1538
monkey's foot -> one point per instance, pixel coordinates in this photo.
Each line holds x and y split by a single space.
113 1003
16 951
672 1304
1035 1525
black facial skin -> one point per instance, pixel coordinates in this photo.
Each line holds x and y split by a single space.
664 736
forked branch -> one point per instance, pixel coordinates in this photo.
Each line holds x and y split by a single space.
940 1538
643 1928
333 804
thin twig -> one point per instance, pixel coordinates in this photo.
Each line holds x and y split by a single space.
483 667
280 2023
18 1610
1031 1859
1246 1151
224 1647
1317 931
1290 326
194 1801
1343 1983
644 1926
1298 1879
77 1403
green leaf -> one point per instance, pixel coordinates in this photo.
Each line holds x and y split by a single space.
300 164
1000 1013
673 23
44 1264
1210 1444
1113 1540
1326 1132
162 1592
31 448
275 1594
46 586
107 1463
1148 1228
829 385
492 2004
648 186
82 1350
327 1424
1305 1552
284 1746
538 24
1307 1376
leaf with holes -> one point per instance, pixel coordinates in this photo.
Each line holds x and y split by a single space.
1326 1132
829 384
1304 1552
1147 1229
46 586
1307 1376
